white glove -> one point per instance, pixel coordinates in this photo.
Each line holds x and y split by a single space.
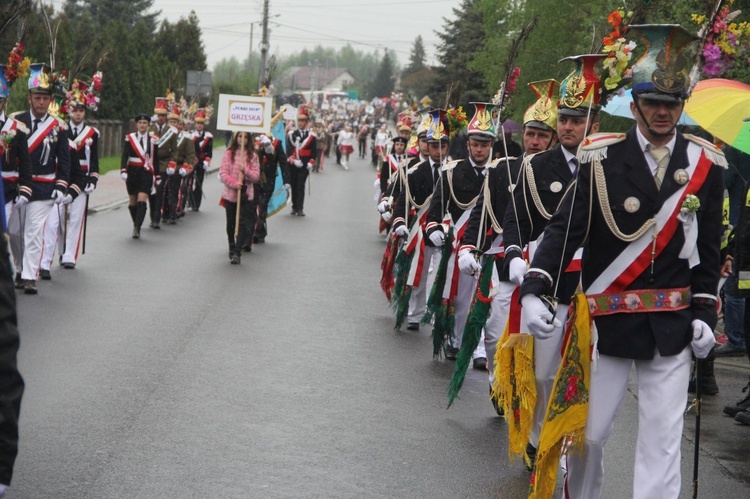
183 172
309 167
170 170
90 188
57 196
298 163
21 200
205 165
384 206
265 140
386 216
703 339
437 238
158 181
286 187
3 489
124 176
401 231
67 199
517 270
467 263
540 320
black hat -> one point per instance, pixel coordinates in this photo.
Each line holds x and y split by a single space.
400 139
142 116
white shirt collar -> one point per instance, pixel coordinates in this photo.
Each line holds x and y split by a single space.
569 156
644 144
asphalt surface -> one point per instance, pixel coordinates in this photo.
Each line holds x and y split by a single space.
157 369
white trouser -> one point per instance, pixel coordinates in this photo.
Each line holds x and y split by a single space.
419 295
52 232
28 239
662 396
12 218
493 330
547 358
467 286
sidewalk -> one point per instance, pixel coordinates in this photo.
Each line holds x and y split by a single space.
110 191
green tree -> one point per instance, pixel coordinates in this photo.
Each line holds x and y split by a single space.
128 12
417 58
383 83
461 39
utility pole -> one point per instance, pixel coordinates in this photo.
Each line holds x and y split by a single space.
250 55
263 46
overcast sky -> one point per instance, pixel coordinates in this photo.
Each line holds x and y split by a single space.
296 24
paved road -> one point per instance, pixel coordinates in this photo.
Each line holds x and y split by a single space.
157 369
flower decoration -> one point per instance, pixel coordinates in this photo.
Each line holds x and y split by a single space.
18 65
690 204
503 95
725 40
456 119
619 52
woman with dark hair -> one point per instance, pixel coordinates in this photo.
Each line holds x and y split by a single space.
240 174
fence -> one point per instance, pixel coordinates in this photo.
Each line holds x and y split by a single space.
111 135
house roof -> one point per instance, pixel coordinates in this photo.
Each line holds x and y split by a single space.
300 76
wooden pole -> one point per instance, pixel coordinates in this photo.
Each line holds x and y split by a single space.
239 189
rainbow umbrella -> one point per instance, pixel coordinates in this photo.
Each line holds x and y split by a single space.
721 106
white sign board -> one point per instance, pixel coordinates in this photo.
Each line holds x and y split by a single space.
242 113
290 113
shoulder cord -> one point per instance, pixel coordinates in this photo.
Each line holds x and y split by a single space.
535 193
601 186
463 206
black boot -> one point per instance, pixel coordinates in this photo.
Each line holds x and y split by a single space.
131 209
741 405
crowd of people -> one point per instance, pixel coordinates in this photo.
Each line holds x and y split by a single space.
561 268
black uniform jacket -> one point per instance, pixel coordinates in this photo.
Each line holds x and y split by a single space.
499 190
394 190
637 335
17 167
54 173
269 162
526 223
422 182
467 182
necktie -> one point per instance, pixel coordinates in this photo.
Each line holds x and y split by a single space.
36 125
143 146
574 164
661 156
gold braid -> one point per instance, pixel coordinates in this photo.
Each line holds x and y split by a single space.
601 187
463 206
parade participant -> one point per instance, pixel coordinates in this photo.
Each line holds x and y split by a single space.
321 134
540 122
165 161
404 125
137 169
346 144
50 167
415 195
543 181
14 157
271 157
84 173
182 157
364 131
453 200
239 173
382 138
204 146
639 203
185 160
390 166
301 145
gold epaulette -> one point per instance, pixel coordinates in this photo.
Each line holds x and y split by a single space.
61 123
713 153
450 165
21 126
496 162
594 147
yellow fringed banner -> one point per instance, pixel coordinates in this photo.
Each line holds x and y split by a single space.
567 409
515 384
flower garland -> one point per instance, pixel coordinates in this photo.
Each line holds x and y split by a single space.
456 120
18 65
619 52
726 41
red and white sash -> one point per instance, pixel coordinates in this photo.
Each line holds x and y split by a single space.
452 272
415 244
636 258
141 158
43 130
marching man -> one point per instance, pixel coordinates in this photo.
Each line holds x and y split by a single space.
301 147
